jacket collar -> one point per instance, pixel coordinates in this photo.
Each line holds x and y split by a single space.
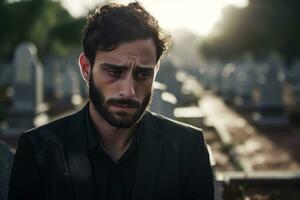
148 161
147 165
77 156
93 136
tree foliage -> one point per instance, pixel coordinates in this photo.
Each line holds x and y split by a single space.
260 28
44 22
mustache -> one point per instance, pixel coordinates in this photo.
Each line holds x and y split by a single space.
126 102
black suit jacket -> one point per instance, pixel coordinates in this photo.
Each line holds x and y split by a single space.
52 162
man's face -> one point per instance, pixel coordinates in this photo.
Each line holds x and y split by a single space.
121 82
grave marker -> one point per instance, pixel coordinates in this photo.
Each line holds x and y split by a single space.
28 109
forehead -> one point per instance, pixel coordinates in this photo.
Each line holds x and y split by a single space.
140 51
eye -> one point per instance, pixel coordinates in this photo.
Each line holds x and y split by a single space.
142 75
114 72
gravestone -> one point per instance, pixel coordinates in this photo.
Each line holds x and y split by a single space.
245 83
292 91
162 102
69 83
228 82
5 74
28 109
215 73
191 114
6 162
167 76
58 83
209 75
50 74
65 86
202 76
268 96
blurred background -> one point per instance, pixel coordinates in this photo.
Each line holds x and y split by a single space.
233 70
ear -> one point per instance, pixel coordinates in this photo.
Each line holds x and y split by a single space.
85 67
157 66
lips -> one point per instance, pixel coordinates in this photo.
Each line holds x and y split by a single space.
124 105
123 109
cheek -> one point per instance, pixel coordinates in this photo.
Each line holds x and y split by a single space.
102 81
104 87
104 78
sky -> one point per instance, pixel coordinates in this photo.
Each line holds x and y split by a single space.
197 16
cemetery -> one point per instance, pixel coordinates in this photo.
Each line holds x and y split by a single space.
261 136
243 89
248 122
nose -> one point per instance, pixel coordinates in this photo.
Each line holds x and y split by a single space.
127 89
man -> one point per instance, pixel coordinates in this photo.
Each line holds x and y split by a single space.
113 148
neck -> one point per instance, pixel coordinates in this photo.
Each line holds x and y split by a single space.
115 141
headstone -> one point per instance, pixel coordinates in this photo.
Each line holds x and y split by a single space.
50 73
6 74
244 83
203 77
190 88
192 115
162 102
67 87
167 76
28 109
71 96
58 83
6 161
64 85
292 91
228 82
267 96
215 73
210 75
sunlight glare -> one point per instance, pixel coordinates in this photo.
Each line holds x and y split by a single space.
198 16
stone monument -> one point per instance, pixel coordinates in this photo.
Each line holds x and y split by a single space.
6 162
292 91
245 83
162 102
28 107
268 96
228 82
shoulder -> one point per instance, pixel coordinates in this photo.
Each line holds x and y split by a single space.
6 157
184 139
173 127
57 127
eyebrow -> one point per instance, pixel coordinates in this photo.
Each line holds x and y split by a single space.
122 67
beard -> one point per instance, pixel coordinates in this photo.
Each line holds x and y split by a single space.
117 119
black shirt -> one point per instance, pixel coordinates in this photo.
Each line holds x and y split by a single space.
113 180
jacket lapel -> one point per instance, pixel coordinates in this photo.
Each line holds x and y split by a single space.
148 162
76 148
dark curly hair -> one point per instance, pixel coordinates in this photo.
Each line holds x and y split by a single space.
113 24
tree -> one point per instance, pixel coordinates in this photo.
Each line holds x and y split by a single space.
43 22
262 27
